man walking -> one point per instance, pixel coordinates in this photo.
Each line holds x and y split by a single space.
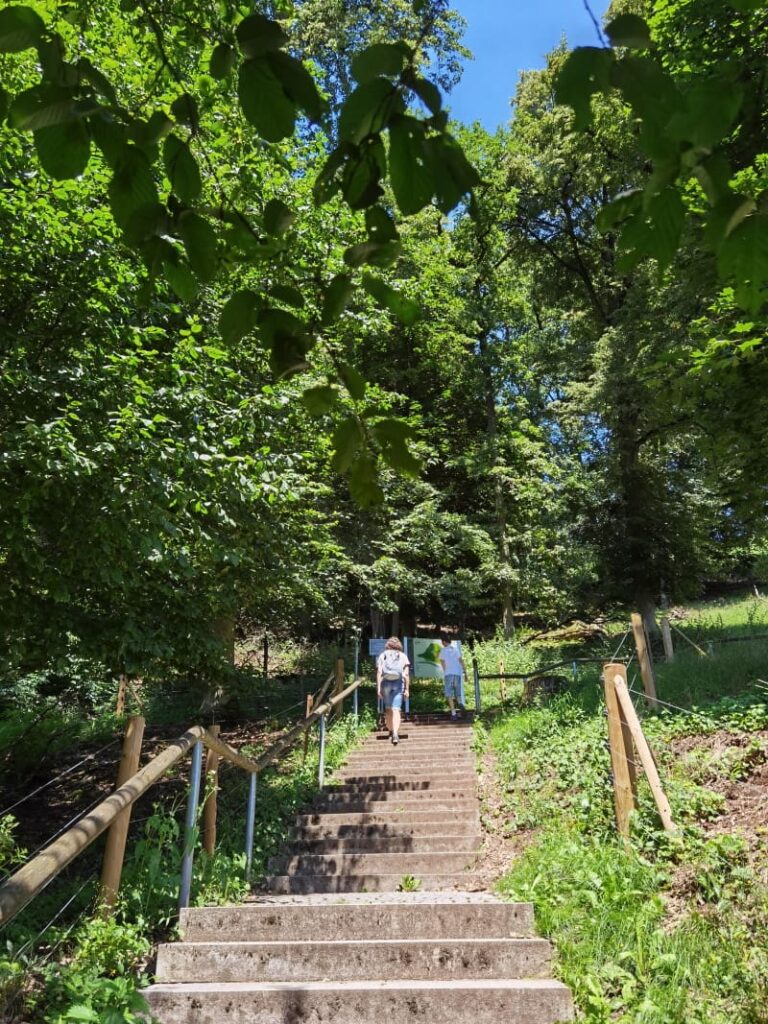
453 667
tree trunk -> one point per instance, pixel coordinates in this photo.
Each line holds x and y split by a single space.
505 556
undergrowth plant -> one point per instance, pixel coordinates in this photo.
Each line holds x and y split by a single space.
664 928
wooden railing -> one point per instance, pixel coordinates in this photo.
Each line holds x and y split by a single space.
114 811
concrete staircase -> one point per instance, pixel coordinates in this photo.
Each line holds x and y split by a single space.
335 939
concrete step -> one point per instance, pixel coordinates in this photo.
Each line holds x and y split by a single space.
401 803
380 882
362 1002
366 783
357 833
353 960
393 815
371 863
338 795
431 843
361 917
386 766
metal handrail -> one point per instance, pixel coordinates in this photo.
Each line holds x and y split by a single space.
20 888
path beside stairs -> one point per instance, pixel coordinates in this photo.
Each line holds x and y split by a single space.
334 938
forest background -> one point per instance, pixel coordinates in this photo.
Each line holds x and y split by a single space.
284 349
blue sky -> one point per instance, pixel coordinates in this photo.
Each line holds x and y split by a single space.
506 37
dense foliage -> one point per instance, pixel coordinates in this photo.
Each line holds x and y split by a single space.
283 346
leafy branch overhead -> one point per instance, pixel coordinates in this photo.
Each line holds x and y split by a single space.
685 129
164 195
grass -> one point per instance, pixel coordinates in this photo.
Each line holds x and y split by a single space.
664 929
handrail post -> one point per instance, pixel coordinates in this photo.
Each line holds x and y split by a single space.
211 803
250 824
114 851
476 674
193 800
356 704
321 762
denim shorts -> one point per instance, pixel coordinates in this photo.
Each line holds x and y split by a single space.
392 693
452 687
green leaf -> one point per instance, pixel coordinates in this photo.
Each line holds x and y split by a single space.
347 441
711 107
428 93
743 258
725 216
393 435
337 295
43 106
181 279
298 83
353 381
91 74
277 217
406 310
199 240
649 90
378 254
369 109
63 149
746 6
714 175
238 318
148 133
623 206
184 110
585 72
379 225
629 30
264 101
380 59
132 185
182 170
257 35
320 399
667 213
410 170
360 180
287 294
20 28
328 182
452 173
222 61
288 357
391 430
109 136
275 322
363 481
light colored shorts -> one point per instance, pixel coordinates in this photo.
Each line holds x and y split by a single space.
452 687
392 693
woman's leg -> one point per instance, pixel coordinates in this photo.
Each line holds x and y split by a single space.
395 720
388 719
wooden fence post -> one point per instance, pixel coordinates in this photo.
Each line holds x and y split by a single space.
622 751
114 850
121 688
310 705
338 685
502 684
644 658
644 751
666 638
210 807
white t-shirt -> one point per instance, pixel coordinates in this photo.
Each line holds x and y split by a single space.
451 656
392 663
